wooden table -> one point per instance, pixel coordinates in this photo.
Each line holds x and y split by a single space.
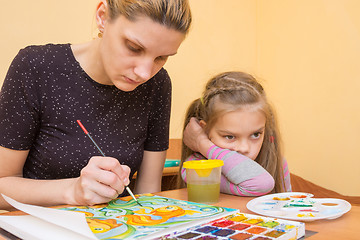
346 227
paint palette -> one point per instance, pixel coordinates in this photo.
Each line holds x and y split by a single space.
241 226
298 206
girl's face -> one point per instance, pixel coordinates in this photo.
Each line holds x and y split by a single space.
134 51
241 130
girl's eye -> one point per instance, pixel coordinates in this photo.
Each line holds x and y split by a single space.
256 135
229 137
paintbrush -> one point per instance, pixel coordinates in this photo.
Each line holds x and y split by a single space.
102 153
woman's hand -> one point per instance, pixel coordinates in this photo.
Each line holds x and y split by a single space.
100 181
195 137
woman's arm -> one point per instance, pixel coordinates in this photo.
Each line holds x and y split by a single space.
149 176
100 181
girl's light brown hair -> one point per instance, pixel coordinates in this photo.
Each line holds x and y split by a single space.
230 91
174 14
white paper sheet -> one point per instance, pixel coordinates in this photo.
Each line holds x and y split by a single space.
46 223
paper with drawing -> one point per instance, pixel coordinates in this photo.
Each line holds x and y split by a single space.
121 218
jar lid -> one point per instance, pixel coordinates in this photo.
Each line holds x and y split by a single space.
203 164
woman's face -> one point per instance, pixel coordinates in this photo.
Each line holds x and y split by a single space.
134 51
241 130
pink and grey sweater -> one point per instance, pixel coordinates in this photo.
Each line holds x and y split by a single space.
241 175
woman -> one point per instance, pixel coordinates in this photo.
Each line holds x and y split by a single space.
115 85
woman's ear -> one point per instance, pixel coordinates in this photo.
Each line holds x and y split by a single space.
202 124
101 15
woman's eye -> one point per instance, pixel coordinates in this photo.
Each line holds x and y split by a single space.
132 48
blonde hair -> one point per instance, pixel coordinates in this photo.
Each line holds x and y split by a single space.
174 14
237 90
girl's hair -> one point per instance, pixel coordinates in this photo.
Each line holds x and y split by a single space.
174 14
228 92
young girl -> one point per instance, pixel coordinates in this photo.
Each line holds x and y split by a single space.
234 122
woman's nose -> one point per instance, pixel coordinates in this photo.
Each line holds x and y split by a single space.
144 69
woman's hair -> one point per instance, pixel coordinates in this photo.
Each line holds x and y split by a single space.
230 91
174 14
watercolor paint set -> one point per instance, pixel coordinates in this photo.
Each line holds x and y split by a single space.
298 206
241 226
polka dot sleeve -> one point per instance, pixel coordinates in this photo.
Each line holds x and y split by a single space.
19 105
159 119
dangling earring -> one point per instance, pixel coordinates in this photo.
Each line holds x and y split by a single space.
100 34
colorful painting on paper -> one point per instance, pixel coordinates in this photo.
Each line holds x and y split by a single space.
123 218
240 226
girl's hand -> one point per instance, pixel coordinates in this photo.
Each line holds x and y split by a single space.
100 181
195 137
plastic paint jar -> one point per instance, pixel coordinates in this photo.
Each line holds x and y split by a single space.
203 180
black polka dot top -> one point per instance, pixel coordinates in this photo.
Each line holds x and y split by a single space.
46 91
